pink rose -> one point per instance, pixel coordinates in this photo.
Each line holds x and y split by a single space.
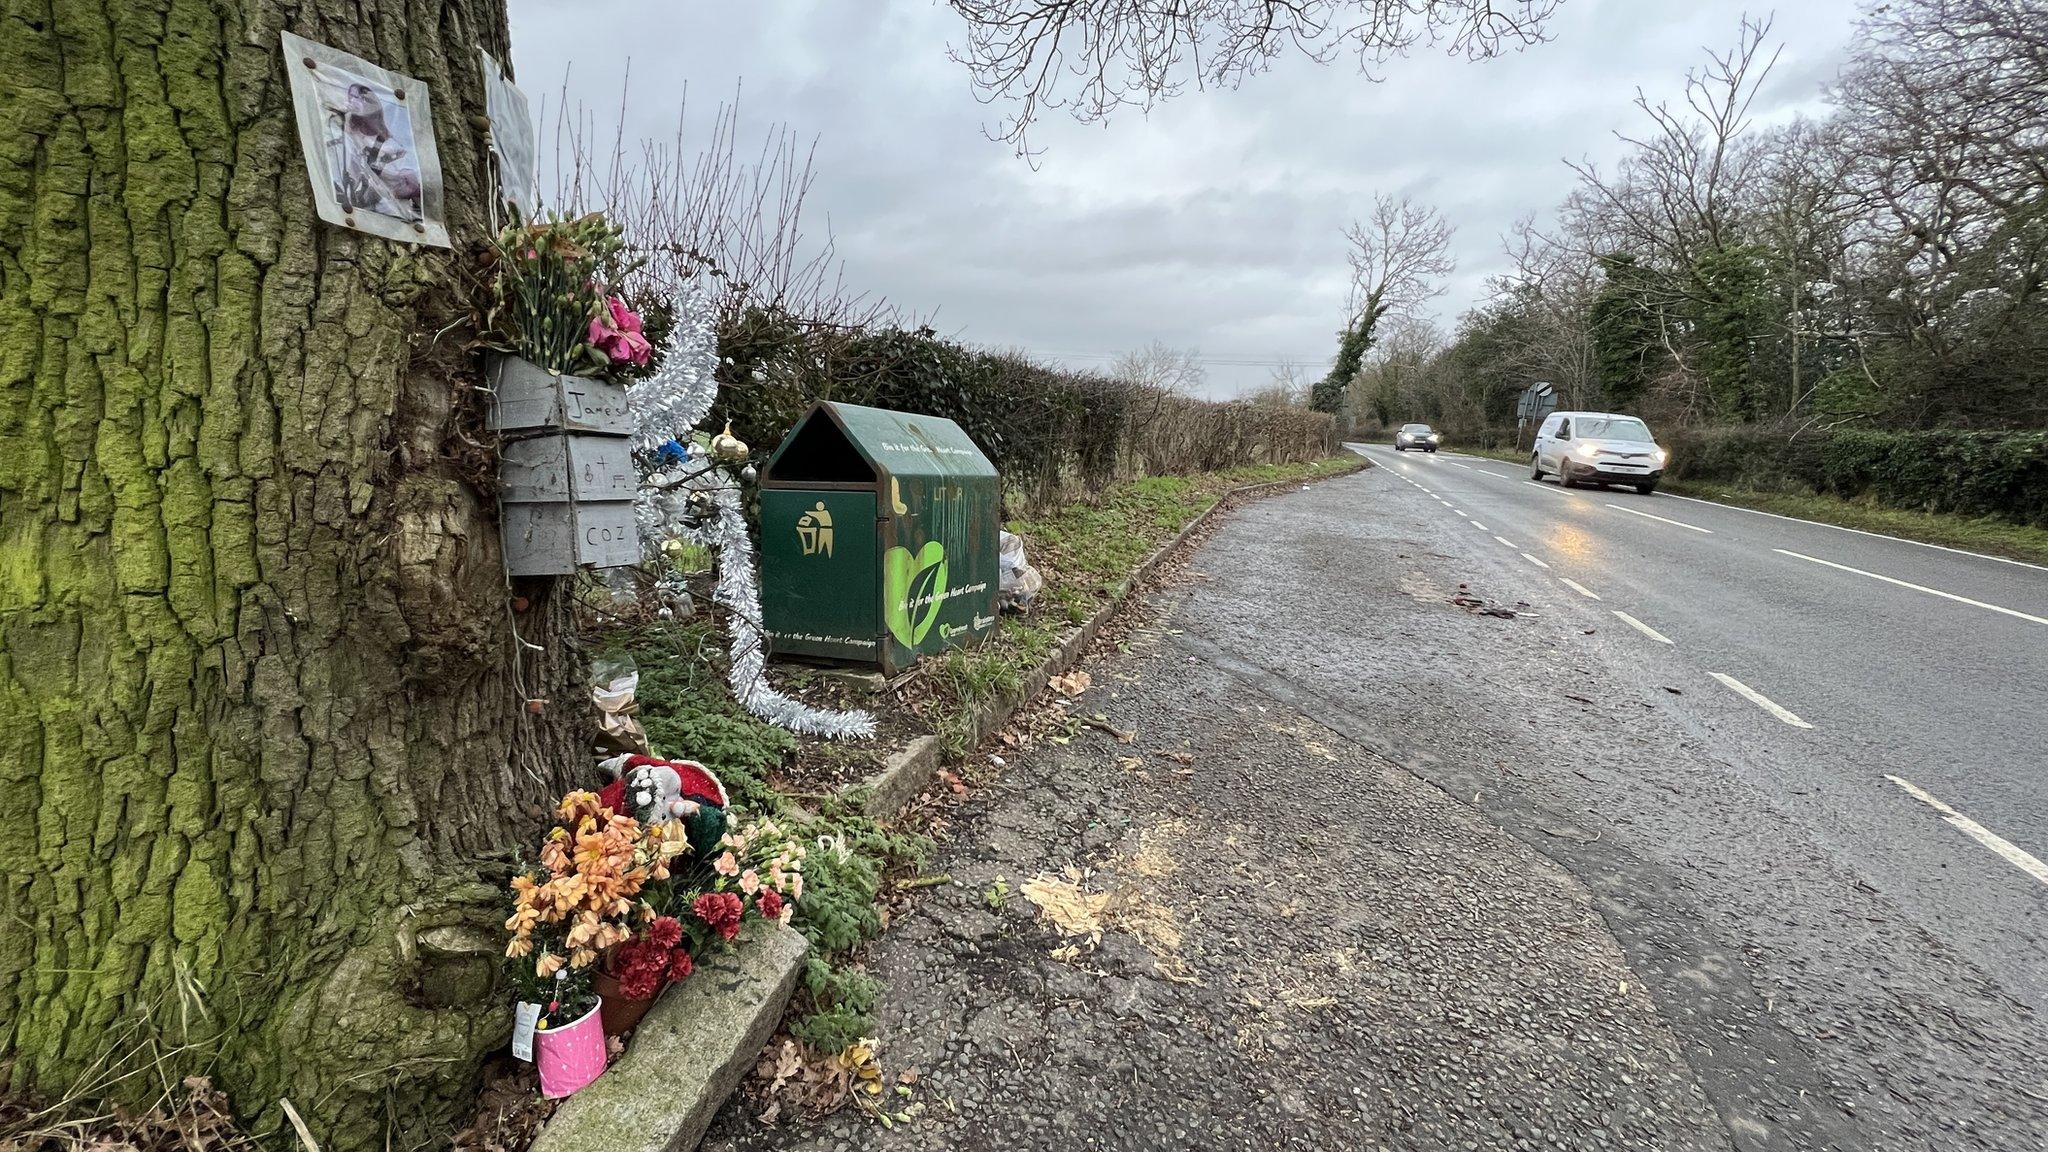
726 865
617 334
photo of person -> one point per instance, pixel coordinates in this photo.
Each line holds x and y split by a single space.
368 137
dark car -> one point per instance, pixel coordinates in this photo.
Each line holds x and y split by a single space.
1416 436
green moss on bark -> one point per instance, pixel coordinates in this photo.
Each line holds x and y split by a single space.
256 698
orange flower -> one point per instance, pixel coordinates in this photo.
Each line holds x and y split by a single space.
547 965
520 946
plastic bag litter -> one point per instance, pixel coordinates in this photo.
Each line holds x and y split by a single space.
1020 581
613 683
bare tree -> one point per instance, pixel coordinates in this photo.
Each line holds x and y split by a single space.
1177 370
1134 53
1679 191
1399 257
1288 387
1943 137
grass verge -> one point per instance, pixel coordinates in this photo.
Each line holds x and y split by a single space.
1974 534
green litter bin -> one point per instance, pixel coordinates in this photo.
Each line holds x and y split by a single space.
878 538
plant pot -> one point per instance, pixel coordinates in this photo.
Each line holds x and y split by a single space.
571 1056
620 1012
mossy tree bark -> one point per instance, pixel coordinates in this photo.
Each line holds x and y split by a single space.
261 730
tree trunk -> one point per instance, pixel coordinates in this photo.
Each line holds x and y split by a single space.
261 726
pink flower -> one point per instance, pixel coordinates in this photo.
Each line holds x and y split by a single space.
750 882
726 865
617 334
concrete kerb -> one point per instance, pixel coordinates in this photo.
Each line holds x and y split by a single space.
907 772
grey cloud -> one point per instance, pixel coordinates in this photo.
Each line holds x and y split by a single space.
1211 223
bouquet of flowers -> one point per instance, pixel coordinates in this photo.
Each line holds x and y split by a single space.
758 871
553 303
582 900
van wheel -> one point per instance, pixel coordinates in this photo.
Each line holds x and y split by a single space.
1535 468
1648 488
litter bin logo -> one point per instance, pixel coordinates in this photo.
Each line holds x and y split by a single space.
913 587
814 529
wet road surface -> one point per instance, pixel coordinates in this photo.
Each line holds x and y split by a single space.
1439 879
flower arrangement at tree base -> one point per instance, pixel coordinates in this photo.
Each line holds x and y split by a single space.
578 903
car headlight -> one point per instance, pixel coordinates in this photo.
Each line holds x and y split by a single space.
1663 457
1585 451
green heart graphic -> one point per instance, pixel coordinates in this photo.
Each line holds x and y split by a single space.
912 589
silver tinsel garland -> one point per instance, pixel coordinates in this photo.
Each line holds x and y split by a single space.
701 505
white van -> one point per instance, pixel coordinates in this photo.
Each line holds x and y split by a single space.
1597 448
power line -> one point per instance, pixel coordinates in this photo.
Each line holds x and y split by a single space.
1216 360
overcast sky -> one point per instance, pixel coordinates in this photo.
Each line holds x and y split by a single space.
1213 223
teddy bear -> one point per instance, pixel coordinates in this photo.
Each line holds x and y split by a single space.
662 791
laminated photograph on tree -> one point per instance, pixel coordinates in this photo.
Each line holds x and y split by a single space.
513 140
368 138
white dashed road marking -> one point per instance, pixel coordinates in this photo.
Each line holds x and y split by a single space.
2018 857
1581 589
1915 587
1639 626
1505 543
1760 700
1660 519
1533 560
1478 525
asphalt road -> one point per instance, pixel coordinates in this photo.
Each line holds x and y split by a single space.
1912 665
1386 872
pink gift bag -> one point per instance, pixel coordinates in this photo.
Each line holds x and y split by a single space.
571 1056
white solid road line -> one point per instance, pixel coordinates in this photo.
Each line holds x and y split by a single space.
1760 700
1915 587
1858 531
1660 519
1504 542
1645 629
1581 589
2014 855
1535 561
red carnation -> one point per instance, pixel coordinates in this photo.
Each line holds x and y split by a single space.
639 970
665 932
768 903
721 911
680 966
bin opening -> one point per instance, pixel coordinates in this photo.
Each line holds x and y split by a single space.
819 453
